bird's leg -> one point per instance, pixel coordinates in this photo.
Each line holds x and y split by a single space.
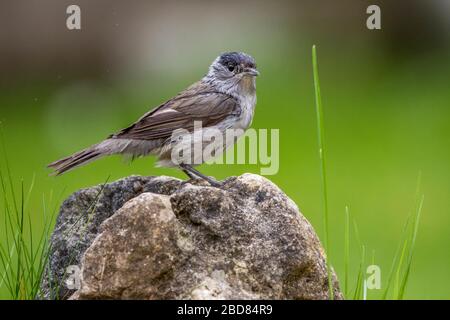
190 175
189 170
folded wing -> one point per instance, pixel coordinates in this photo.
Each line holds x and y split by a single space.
197 103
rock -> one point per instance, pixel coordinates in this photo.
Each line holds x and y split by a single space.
79 219
161 238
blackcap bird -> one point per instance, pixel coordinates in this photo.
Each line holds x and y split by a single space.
223 99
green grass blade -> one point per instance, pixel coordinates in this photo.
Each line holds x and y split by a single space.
360 279
411 249
346 250
405 247
399 269
321 144
397 254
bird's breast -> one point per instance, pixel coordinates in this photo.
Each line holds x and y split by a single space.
247 104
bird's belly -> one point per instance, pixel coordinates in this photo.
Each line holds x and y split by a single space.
198 147
201 145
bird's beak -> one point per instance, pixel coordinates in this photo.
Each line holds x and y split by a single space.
251 72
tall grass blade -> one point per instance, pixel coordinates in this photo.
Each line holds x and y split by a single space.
358 295
411 249
321 144
405 250
346 250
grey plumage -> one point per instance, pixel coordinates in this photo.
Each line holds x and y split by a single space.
224 98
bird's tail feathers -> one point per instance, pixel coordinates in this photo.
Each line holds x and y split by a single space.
82 157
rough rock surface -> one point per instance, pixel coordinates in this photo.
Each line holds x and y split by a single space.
161 238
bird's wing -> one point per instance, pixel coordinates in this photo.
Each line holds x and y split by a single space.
197 103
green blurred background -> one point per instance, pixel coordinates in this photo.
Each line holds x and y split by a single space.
385 94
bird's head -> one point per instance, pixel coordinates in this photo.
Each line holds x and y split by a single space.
233 72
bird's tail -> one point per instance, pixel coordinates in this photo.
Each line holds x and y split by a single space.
77 159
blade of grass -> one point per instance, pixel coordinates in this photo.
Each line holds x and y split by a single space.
405 247
321 144
358 294
411 249
20 219
399 269
397 254
360 279
346 250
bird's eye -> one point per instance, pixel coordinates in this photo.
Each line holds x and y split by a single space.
231 67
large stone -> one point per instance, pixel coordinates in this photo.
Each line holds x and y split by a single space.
176 240
79 219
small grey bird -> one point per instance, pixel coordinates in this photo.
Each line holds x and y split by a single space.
224 98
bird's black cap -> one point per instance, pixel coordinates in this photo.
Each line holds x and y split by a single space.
237 58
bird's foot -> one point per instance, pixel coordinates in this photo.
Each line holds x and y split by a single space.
195 174
214 182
